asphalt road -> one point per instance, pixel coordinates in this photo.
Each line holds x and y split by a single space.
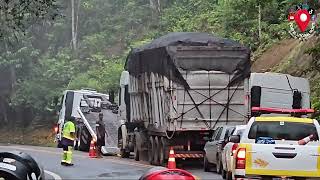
109 167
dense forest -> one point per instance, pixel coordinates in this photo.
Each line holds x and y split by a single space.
48 46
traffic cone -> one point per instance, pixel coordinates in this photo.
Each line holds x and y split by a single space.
171 160
92 150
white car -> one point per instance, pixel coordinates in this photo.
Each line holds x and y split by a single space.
269 149
228 151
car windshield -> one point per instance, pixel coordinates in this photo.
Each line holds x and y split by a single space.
282 130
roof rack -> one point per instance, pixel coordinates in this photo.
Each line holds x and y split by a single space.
262 110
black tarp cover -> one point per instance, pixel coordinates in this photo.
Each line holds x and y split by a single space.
158 58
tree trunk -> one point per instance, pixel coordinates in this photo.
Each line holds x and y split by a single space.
74 43
159 7
111 96
156 6
77 21
3 110
259 21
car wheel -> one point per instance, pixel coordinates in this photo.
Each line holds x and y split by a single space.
219 166
223 174
206 164
229 175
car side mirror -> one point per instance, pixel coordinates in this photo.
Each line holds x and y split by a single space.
234 139
206 138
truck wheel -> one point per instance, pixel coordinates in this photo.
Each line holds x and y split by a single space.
156 151
59 145
162 151
85 139
150 150
124 153
136 151
76 145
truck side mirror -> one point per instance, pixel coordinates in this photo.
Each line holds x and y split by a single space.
234 139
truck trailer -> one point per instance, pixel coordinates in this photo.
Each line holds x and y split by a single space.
176 90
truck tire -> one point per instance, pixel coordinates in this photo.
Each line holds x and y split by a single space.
136 151
124 153
85 139
156 152
162 151
150 150
76 145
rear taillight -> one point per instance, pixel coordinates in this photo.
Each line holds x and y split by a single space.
56 129
234 149
241 158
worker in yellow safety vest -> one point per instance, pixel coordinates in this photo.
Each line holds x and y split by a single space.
67 141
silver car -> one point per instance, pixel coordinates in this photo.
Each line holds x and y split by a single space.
213 148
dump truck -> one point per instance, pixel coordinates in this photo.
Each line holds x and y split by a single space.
176 90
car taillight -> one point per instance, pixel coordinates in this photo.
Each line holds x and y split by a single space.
234 149
241 159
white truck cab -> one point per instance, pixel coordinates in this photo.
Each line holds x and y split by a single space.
71 101
269 148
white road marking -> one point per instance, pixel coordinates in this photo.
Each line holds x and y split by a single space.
54 175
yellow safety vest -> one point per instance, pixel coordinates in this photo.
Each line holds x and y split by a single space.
68 128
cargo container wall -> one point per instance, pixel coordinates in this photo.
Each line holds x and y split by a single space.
209 99
209 102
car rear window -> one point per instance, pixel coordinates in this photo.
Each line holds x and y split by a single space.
282 130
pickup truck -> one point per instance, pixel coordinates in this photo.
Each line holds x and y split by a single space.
228 151
269 149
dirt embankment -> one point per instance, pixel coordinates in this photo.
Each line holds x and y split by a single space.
274 55
43 136
287 56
